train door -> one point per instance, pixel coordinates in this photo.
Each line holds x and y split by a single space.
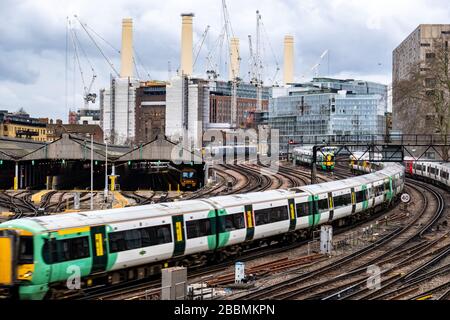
292 215
99 252
250 222
331 206
353 201
8 257
179 238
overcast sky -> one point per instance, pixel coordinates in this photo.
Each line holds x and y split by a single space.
359 34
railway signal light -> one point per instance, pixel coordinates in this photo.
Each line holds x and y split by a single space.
1 162
129 163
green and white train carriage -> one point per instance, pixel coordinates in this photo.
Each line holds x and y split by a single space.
110 246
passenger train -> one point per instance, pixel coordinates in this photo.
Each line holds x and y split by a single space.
436 173
325 157
39 254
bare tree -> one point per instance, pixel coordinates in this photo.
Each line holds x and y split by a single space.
427 90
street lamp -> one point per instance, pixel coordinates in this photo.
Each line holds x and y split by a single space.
92 171
106 169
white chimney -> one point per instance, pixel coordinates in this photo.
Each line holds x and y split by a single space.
186 44
126 67
288 59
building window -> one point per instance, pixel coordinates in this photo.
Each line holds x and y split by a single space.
424 44
430 55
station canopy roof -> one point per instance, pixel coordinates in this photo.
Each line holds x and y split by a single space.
15 149
70 147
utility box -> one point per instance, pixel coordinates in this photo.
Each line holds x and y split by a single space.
326 239
239 273
173 283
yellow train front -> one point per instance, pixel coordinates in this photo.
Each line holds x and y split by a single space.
326 161
188 179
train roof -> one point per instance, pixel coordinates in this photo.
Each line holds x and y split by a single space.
254 197
74 220
328 186
357 155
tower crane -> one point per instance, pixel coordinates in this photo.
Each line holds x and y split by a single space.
77 47
202 41
234 81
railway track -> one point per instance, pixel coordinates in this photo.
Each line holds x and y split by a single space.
335 276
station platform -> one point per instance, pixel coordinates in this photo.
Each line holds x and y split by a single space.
120 200
37 197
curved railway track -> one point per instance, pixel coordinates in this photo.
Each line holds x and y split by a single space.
336 274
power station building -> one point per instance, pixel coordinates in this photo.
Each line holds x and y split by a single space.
150 112
117 104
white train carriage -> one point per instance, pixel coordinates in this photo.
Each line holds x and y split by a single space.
326 194
432 171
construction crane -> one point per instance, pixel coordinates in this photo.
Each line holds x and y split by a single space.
316 67
84 26
258 63
202 41
77 47
228 31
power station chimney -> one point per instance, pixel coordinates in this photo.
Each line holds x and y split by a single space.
126 67
234 60
186 44
288 59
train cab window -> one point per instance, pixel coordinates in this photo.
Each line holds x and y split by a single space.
303 209
231 222
187 174
271 215
26 250
342 200
198 228
323 205
55 251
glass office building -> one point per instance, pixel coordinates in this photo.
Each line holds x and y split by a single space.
327 107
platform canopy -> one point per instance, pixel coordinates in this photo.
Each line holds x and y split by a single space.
73 148
14 148
162 149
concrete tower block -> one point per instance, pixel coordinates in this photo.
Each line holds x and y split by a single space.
234 61
186 44
126 67
288 59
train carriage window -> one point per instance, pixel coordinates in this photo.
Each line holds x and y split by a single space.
117 242
271 215
323 205
361 196
26 252
303 209
444 175
198 228
231 222
156 235
139 238
133 239
387 185
342 200
56 251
